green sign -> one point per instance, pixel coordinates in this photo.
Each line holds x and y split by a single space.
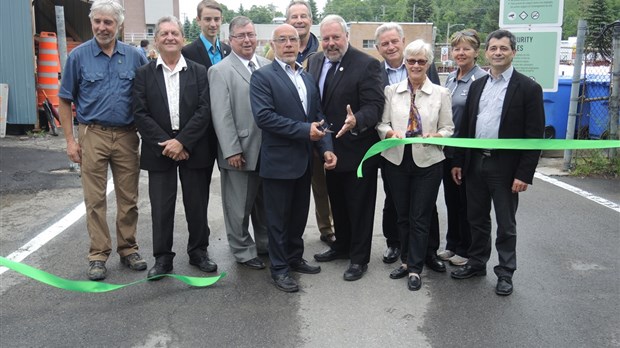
530 12
538 55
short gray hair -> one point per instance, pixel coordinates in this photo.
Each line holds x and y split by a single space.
387 27
298 2
169 19
419 47
109 7
334 18
273 32
239 21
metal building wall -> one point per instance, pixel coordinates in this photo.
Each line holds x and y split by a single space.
17 60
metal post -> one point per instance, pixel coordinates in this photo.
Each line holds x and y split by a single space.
614 98
582 27
61 36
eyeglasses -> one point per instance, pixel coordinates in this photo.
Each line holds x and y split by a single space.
420 62
242 36
283 39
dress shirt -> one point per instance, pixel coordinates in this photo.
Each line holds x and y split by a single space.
327 64
298 81
173 88
395 75
491 100
246 62
99 85
215 53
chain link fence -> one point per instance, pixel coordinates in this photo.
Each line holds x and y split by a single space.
597 107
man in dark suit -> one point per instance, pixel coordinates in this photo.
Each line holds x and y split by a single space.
390 42
352 98
286 106
172 114
498 175
208 50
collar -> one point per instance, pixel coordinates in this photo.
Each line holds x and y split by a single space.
96 50
208 43
507 74
388 67
245 61
181 64
403 86
469 75
283 65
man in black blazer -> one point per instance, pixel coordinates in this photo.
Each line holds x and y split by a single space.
352 100
286 106
390 43
498 175
172 114
208 50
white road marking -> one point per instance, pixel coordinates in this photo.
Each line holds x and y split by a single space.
49 233
582 193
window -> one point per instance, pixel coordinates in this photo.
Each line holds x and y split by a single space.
368 43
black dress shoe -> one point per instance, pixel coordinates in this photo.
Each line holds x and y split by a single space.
467 271
330 255
504 286
398 273
254 263
355 271
204 264
158 270
436 264
303 267
414 283
285 283
391 254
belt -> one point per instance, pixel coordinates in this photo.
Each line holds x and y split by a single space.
131 127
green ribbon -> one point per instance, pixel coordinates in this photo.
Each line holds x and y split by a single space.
92 286
500 144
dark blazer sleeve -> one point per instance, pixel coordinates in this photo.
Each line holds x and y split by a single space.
527 108
372 100
195 126
150 130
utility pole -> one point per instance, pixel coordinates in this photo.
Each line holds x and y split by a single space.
413 16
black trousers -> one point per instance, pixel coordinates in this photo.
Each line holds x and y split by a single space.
490 181
390 231
414 191
458 236
163 195
353 207
287 202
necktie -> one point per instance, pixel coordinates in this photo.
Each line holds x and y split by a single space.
414 125
330 75
252 66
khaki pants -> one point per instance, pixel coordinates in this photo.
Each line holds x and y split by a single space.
117 148
321 199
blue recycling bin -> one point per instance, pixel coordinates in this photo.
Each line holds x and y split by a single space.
598 110
556 106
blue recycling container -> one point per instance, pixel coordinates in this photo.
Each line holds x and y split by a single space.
556 109
598 110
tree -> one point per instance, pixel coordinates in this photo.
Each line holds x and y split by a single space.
597 15
186 27
241 11
351 10
314 12
227 14
261 14
194 31
423 10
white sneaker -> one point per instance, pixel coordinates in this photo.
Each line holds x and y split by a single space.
458 260
445 255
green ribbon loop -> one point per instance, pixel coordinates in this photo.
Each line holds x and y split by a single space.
499 144
92 286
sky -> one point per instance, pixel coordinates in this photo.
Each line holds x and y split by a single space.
188 7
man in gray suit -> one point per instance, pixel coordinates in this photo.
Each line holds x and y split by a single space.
239 144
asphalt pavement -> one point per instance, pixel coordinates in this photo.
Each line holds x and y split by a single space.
567 288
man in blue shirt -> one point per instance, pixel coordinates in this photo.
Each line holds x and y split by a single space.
98 79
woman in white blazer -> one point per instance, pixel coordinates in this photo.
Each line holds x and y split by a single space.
415 107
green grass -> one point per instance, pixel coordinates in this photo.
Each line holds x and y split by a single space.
597 164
